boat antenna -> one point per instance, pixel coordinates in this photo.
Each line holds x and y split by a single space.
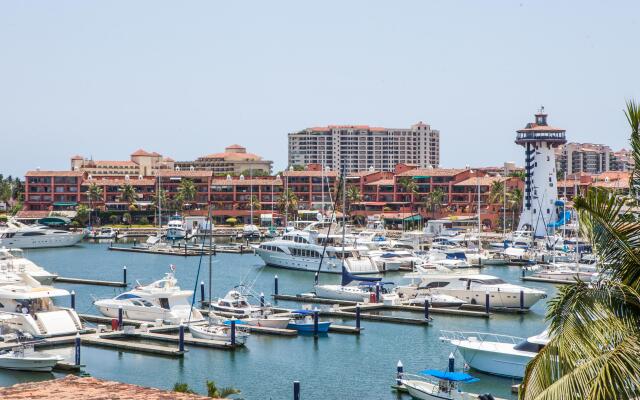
333 214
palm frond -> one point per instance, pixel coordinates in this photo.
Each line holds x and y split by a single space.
633 118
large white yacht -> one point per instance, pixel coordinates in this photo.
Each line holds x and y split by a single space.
162 299
496 354
27 306
303 249
176 229
472 288
38 236
13 261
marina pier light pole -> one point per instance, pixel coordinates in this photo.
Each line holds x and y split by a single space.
539 141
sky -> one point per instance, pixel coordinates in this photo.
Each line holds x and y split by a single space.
104 78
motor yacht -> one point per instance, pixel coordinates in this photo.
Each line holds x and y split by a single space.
303 321
250 231
473 289
13 261
105 233
501 355
25 358
565 271
176 229
27 306
39 236
304 249
160 300
345 291
236 304
220 333
433 384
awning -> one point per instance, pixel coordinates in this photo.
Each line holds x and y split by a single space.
65 204
54 221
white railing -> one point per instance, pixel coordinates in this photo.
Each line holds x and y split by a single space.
448 336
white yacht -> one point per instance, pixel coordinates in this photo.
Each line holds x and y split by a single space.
472 288
236 304
13 261
162 299
221 333
250 231
25 358
433 384
565 271
302 250
176 229
34 237
105 233
27 306
501 355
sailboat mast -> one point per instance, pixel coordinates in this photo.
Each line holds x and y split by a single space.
210 218
251 196
344 209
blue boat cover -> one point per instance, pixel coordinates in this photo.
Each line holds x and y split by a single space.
450 376
348 277
237 321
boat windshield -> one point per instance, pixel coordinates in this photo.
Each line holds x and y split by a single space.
494 281
526 345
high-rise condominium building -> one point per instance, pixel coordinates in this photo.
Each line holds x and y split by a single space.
362 147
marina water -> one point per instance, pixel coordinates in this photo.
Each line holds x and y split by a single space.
334 366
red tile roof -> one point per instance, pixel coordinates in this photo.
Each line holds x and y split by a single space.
141 152
233 156
54 173
247 181
381 182
32 214
77 157
484 181
532 127
134 181
432 172
235 146
173 173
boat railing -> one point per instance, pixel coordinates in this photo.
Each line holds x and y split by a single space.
448 336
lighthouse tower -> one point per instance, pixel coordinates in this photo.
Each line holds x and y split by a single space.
539 208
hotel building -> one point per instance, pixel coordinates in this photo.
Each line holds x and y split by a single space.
361 147
574 158
233 161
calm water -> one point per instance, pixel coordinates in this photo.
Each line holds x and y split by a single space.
335 366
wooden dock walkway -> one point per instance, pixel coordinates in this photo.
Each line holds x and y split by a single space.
547 280
350 305
188 339
95 282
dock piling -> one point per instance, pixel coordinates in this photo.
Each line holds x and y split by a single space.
400 371
124 275
523 271
261 302
233 333
296 390
377 292
452 362
73 299
181 337
315 323
426 309
77 349
521 300
120 316
275 285
487 306
358 317
201 292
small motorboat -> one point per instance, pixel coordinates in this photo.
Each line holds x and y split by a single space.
268 321
105 233
25 358
433 384
220 333
302 321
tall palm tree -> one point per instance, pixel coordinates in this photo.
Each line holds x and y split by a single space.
496 192
594 351
128 193
186 191
288 203
408 185
434 201
353 196
514 198
94 194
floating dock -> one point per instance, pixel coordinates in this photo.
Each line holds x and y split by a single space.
349 305
95 282
547 280
186 251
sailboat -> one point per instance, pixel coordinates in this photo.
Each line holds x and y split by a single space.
346 292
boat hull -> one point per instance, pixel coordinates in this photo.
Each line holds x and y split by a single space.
494 363
277 323
323 327
43 241
28 363
202 333
336 293
428 391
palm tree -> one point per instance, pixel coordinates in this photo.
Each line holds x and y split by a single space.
128 193
6 191
496 192
594 351
352 196
518 174
434 201
514 198
186 191
408 185
220 393
288 203
94 194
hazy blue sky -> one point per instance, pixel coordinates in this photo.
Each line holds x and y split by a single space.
189 78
